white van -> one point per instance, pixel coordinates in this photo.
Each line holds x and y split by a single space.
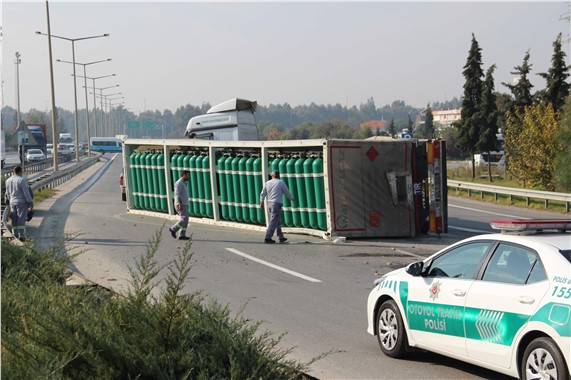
231 120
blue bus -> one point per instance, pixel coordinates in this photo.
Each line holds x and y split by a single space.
106 144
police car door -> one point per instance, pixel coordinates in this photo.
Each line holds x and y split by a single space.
499 304
435 305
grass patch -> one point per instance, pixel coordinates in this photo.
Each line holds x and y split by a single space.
50 330
43 194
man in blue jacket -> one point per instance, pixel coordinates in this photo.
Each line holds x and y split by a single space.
274 190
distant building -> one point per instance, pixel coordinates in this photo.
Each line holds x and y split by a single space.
442 118
373 125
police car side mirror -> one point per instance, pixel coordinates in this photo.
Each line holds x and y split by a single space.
415 269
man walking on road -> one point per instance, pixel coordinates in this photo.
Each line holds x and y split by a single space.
274 190
20 196
181 199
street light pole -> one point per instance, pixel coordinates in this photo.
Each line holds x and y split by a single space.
86 102
102 109
94 100
72 40
21 144
53 92
18 61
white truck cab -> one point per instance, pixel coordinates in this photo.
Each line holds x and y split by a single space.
232 120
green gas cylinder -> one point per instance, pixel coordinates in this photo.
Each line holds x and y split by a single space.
243 181
287 216
258 185
300 195
200 186
163 205
221 173
292 185
310 191
252 197
192 185
229 188
133 176
207 185
319 188
236 187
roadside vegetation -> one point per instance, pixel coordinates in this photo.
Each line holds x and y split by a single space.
155 331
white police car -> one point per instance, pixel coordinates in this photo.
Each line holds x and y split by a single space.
501 301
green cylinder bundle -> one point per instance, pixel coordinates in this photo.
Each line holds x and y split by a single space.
229 188
300 193
292 185
222 185
319 188
236 187
133 176
163 205
207 186
258 183
193 207
287 218
252 197
185 164
200 186
243 181
310 191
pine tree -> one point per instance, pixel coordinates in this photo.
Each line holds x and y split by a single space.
557 88
563 163
429 122
521 91
469 124
392 128
488 114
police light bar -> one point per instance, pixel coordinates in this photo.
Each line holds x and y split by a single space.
521 225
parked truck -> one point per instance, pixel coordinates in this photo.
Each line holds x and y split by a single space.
232 120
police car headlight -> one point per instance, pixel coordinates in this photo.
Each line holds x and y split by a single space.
379 280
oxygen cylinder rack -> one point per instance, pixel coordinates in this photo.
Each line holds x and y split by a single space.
351 188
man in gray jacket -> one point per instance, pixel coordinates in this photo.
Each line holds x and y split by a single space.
20 196
274 190
181 202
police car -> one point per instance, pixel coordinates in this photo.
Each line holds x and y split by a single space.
501 301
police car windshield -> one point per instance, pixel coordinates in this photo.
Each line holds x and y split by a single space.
567 254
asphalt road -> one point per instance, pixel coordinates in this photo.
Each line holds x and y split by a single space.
312 290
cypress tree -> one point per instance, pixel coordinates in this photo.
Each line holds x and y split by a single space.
521 91
469 124
557 88
488 115
429 123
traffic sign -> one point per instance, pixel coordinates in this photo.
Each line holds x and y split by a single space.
133 124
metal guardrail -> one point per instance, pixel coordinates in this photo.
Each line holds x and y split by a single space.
52 180
546 196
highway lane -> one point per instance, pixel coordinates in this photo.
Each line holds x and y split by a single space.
312 290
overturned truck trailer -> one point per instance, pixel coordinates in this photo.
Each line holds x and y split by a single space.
351 188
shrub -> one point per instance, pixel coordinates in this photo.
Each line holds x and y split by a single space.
54 331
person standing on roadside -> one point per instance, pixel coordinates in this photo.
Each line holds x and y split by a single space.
274 190
181 199
20 196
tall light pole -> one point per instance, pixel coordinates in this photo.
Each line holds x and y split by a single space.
21 144
102 109
94 100
53 92
72 40
18 61
86 102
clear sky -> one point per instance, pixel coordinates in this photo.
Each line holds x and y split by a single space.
167 55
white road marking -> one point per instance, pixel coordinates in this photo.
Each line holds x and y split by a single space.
488 212
410 254
302 276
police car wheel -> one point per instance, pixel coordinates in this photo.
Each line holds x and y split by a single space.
390 330
543 360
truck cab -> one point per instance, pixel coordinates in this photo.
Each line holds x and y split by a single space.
232 120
